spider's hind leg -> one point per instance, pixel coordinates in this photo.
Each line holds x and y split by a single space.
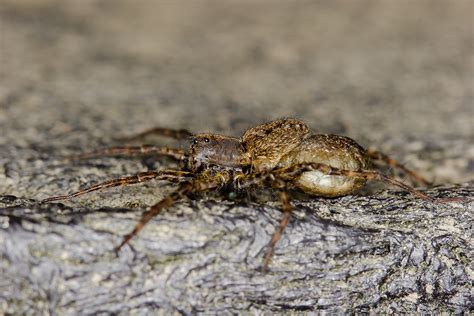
369 175
377 155
280 178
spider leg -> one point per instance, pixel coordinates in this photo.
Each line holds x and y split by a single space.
369 175
281 185
287 210
175 153
377 155
278 178
196 185
178 134
183 190
169 175
289 173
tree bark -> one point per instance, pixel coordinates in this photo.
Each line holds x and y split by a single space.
387 252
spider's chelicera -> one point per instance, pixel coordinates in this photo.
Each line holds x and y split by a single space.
281 154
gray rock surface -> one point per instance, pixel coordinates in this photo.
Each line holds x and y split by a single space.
75 75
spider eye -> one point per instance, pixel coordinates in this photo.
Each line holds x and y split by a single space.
195 141
206 140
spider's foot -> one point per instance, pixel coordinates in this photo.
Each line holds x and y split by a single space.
125 241
452 200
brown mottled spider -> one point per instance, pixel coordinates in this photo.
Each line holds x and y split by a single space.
281 154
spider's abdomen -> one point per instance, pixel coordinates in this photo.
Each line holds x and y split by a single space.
336 151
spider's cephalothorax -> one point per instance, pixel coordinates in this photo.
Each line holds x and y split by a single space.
281 154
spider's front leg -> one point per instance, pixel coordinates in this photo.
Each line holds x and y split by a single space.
199 184
178 134
168 175
177 154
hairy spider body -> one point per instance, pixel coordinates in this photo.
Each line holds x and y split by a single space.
280 154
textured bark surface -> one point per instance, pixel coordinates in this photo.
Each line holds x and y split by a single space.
76 75
389 253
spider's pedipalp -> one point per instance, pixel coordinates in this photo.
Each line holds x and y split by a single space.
168 175
177 154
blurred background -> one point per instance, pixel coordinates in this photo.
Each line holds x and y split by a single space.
395 75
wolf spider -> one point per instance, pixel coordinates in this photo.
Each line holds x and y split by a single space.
282 154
